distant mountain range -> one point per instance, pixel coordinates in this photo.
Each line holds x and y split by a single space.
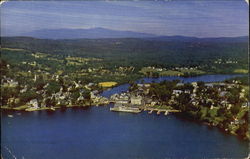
195 39
102 33
93 33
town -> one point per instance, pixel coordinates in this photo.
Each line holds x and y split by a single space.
54 94
220 104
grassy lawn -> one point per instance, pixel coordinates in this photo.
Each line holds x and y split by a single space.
11 49
5 107
240 71
23 107
36 109
171 72
192 71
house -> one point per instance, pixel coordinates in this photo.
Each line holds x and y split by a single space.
224 103
187 91
246 104
124 96
209 85
194 84
193 95
70 88
13 101
93 94
229 106
10 83
136 100
77 85
180 84
153 103
194 102
140 85
223 93
61 102
24 89
177 91
46 86
80 98
33 103
147 85
35 78
114 96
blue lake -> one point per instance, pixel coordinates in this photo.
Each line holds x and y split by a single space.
97 133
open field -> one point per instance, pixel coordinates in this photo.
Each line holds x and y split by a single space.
240 71
107 84
164 72
12 49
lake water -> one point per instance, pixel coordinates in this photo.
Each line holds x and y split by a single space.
97 133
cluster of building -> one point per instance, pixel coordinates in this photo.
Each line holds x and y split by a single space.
140 98
43 99
229 61
133 101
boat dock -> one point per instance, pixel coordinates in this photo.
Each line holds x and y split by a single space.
125 109
122 108
159 111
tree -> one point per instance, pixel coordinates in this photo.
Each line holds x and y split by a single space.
27 96
53 87
86 95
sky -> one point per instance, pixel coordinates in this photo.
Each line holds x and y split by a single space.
199 18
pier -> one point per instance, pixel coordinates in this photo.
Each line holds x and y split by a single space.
159 111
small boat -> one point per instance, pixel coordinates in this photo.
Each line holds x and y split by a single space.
150 112
10 116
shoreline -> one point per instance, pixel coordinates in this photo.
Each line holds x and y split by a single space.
30 109
147 110
182 114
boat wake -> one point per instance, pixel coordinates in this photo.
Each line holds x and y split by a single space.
10 152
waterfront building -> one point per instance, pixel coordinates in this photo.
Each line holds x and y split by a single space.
33 103
136 100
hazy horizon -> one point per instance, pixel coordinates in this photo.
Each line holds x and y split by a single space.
161 18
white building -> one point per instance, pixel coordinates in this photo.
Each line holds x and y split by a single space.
136 100
33 103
